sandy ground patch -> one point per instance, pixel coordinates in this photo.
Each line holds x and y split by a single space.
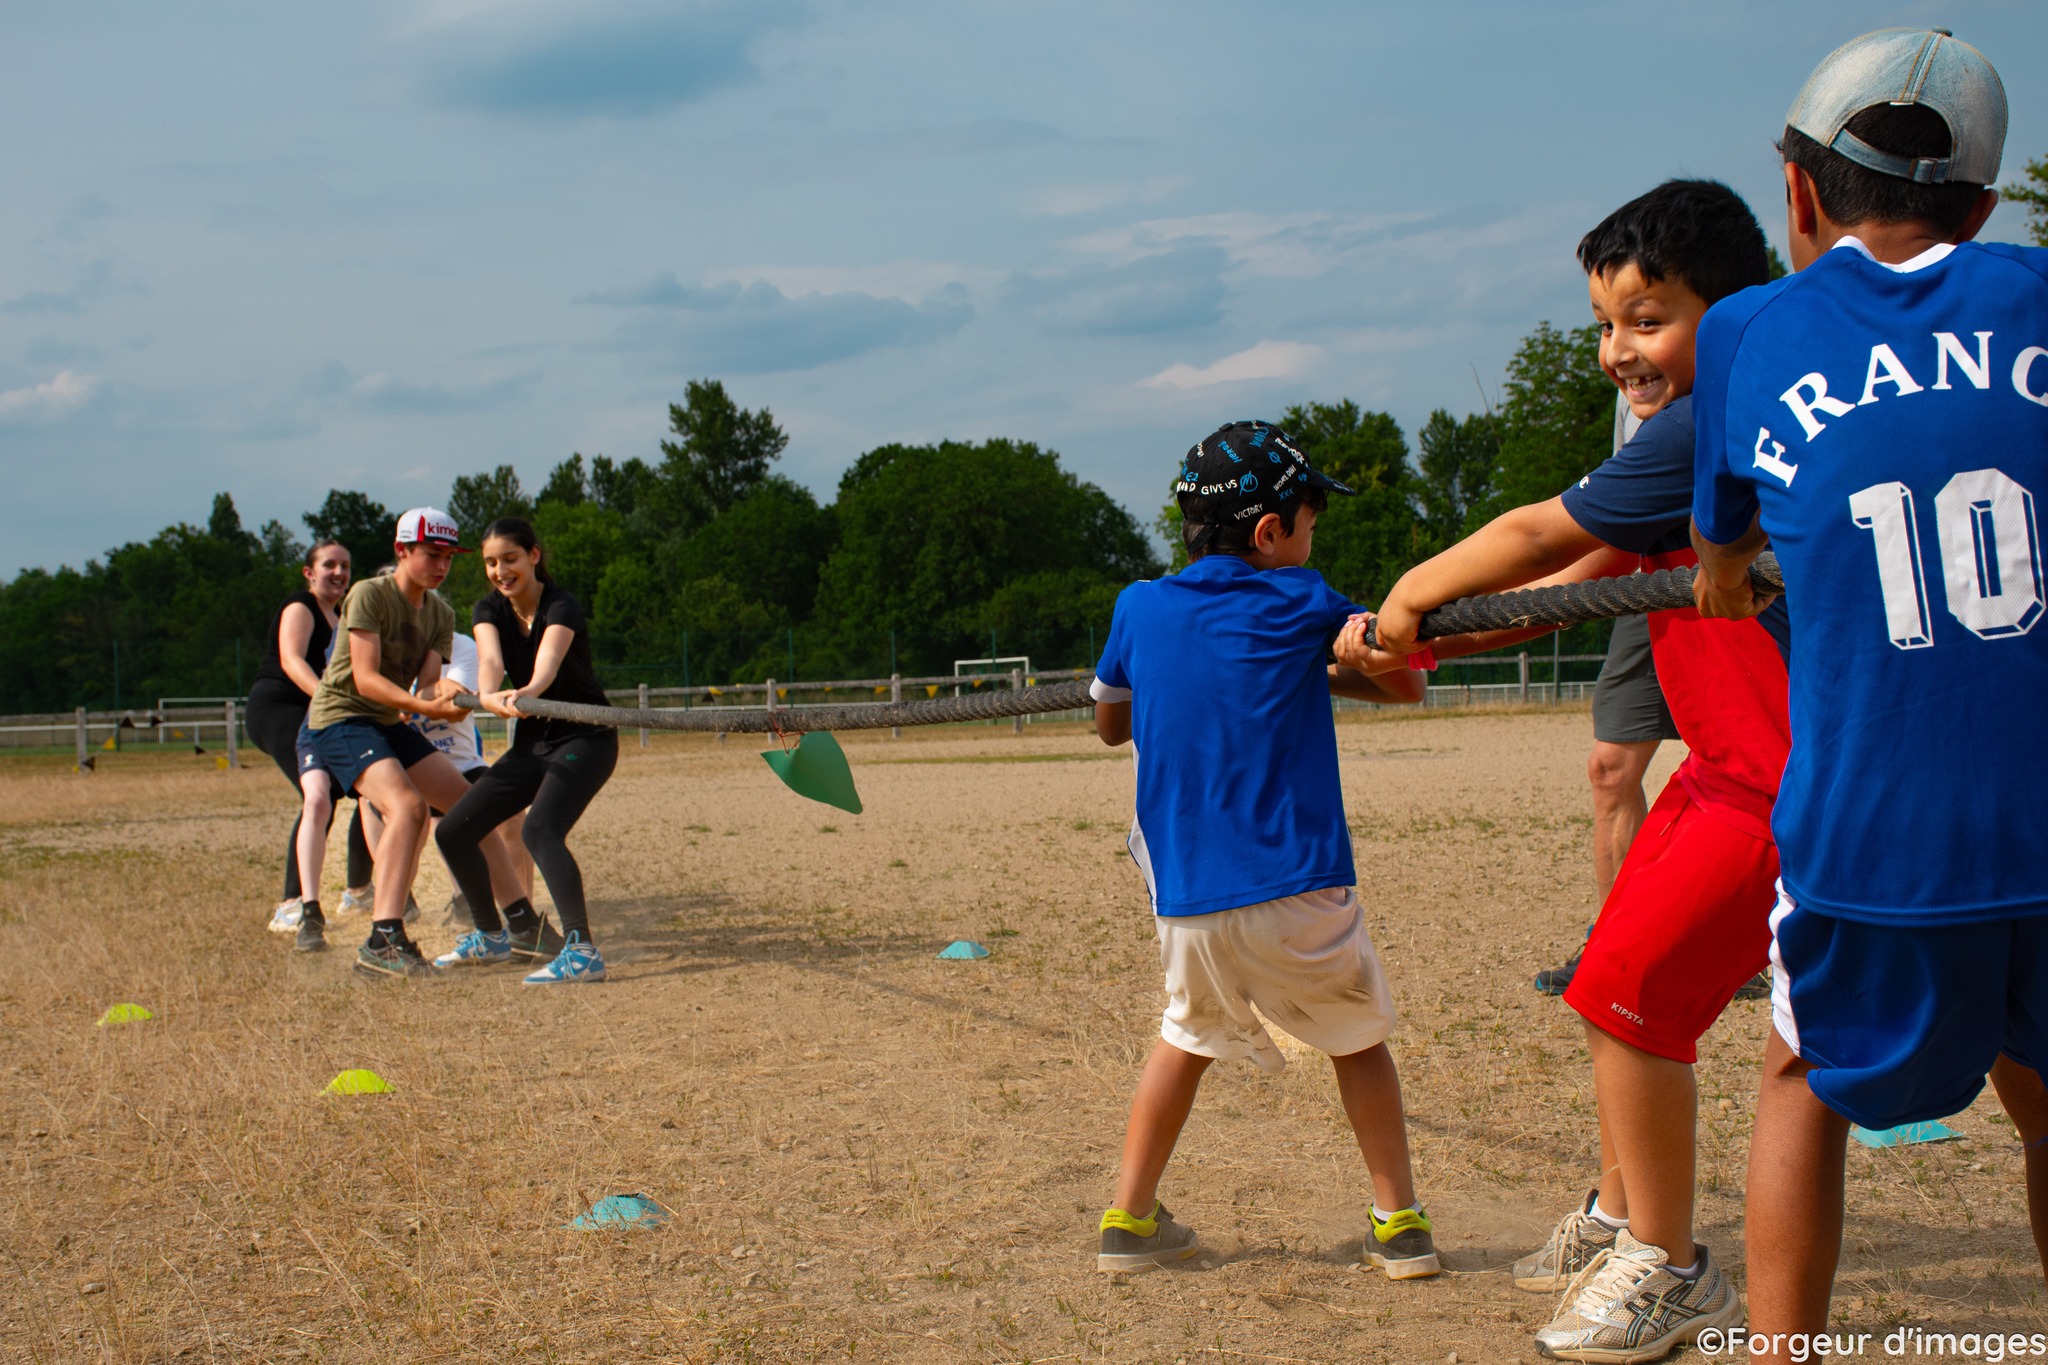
867 1153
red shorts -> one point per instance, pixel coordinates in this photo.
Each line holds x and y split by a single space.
1688 922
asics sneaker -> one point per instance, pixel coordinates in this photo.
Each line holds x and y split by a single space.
1574 1242
401 959
1143 1243
539 946
456 915
285 918
578 961
412 909
1555 980
1628 1306
477 948
312 937
353 900
1403 1246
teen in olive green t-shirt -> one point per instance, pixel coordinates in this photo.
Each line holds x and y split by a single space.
406 635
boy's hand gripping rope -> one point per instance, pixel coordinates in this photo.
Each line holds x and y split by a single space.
1563 604
1571 604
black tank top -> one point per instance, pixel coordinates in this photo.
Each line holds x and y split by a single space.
272 667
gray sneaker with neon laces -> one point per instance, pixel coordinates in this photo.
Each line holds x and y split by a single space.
1628 1306
1404 1245
1143 1243
1574 1242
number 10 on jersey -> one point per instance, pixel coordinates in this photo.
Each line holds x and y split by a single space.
1990 556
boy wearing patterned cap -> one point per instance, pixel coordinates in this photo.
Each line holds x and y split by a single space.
1222 675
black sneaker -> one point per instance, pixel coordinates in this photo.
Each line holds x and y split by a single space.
457 915
539 946
1126 1247
400 959
312 936
1758 987
1554 980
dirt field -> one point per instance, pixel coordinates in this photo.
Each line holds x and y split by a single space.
868 1154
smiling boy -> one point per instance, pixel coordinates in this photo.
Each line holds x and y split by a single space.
1686 924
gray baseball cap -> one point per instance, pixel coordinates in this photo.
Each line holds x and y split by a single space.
1928 66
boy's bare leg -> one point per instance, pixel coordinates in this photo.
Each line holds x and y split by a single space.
1648 1106
1613 1194
397 849
1166 1093
1793 1212
1616 772
2025 1100
1371 1089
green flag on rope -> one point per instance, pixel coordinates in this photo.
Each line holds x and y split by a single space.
817 768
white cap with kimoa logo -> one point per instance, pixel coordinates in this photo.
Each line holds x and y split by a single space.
429 526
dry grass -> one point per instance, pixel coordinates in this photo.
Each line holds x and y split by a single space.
868 1154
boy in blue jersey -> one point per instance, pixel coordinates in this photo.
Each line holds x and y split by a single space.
1880 418
1220 673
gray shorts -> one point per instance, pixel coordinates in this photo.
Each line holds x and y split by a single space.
1628 705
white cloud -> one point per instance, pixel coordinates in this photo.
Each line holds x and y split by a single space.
911 281
1060 201
45 402
1267 360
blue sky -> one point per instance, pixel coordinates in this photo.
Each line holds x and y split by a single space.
275 249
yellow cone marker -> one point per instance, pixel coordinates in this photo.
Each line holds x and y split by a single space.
124 1014
357 1081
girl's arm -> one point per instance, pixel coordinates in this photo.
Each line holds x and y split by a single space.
294 633
547 661
490 671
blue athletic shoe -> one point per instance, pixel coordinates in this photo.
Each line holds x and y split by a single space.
578 961
476 948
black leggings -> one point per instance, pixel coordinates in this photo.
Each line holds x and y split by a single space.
558 787
274 717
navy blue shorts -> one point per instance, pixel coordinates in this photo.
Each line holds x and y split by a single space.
1900 1022
348 748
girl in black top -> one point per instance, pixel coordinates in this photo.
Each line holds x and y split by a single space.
530 635
295 651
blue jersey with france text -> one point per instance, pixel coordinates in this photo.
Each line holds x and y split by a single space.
1238 797
1889 424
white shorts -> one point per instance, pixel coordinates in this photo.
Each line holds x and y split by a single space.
1305 961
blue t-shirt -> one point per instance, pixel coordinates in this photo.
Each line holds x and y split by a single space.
1640 498
1890 425
1238 797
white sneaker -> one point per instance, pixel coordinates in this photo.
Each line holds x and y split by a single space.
1627 1306
285 919
351 902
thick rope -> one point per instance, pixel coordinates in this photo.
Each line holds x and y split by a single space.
1563 604
990 704
1571 604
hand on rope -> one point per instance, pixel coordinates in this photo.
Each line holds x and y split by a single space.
1571 604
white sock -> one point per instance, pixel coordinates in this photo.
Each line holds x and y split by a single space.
1693 1271
1381 1215
1606 1219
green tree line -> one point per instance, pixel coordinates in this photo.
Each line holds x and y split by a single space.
705 565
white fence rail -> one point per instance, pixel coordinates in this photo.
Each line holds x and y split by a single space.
216 725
